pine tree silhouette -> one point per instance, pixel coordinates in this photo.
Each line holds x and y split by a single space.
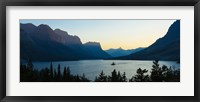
140 76
68 74
30 64
119 77
59 73
65 74
51 71
114 77
55 75
124 79
102 77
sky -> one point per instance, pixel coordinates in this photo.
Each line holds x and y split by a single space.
127 34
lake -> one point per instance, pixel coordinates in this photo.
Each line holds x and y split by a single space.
92 68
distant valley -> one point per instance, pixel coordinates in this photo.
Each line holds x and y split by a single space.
121 52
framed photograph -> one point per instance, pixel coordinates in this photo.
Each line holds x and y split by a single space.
72 50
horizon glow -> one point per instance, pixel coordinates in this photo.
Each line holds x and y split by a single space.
127 34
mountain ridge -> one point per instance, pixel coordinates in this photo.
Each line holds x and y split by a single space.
122 52
165 48
42 43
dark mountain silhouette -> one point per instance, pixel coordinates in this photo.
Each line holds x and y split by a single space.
121 52
41 43
94 48
38 46
67 39
28 27
165 48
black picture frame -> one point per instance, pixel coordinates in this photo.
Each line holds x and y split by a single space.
5 3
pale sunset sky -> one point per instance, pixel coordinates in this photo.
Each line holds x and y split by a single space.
127 34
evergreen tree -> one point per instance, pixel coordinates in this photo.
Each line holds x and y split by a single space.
51 71
59 73
172 75
30 64
102 77
45 75
140 76
156 73
83 76
119 77
114 77
124 79
68 74
77 79
84 79
160 74
55 75
65 74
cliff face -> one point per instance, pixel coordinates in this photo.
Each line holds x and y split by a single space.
67 39
94 48
41 43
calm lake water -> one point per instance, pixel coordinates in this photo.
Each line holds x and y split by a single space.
92 68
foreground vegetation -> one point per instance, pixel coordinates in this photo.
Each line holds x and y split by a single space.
157 74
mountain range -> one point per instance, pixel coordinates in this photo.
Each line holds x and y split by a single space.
165 48
121 52
42 43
